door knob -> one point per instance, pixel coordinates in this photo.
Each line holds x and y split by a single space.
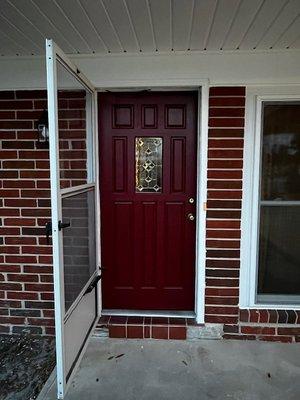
190 217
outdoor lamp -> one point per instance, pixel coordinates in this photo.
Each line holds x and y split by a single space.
42 127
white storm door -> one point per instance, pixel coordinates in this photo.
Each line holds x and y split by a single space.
72 139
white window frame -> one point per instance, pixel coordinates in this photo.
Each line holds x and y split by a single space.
255 96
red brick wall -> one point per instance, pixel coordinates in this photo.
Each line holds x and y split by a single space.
26 289
225 164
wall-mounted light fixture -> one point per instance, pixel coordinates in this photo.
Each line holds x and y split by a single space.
42 127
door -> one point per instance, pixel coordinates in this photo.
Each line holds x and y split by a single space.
148 187
71 110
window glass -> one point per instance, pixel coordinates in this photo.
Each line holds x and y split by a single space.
279 225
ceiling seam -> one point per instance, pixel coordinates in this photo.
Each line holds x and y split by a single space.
191 25
94 27
51 23
211 25
231 23
151 24
28 20
20 31
112 26
287 28
251 23
132 26
272 22
72 25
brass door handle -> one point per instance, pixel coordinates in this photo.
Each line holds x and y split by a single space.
190 217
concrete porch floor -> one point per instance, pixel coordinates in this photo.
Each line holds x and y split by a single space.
115 369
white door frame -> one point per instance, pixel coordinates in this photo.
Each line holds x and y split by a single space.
202 86
53 55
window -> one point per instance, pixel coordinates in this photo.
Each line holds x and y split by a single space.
270 239
279 206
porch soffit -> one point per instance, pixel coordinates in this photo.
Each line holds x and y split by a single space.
148 26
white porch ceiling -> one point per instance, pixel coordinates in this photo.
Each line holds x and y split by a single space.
148 26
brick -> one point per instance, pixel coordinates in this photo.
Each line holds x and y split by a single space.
20 203
35 193
10 304
12 320
221 310
24 312
6 94
223 244
258 330
15 124
38 269
284 339
9 193
231 328
41 321
33 330
16 105
40 305
10 286
7 154
18 144
18 164
6 174
32 287
10 268
239 337
20 184
9 249
31 94
21 259
20 240
227 291
22 296
225 184
209 300
224 174
117 331
221 319
227 112
222 273
34 155
289 331
19 221
227 91
22 278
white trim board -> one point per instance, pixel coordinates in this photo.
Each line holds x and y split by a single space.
202 85
106 71
251 177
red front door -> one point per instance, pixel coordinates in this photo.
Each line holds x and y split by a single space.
148 188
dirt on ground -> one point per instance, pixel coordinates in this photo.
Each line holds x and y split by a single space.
26 362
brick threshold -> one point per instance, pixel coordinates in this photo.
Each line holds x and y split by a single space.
144 327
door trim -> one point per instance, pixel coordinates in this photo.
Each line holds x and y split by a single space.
202 87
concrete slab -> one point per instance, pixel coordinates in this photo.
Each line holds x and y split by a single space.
193 370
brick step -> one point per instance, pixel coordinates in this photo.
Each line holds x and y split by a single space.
144 327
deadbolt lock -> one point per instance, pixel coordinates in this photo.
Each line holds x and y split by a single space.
190 217
191 200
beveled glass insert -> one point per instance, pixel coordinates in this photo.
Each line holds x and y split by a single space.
148 164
